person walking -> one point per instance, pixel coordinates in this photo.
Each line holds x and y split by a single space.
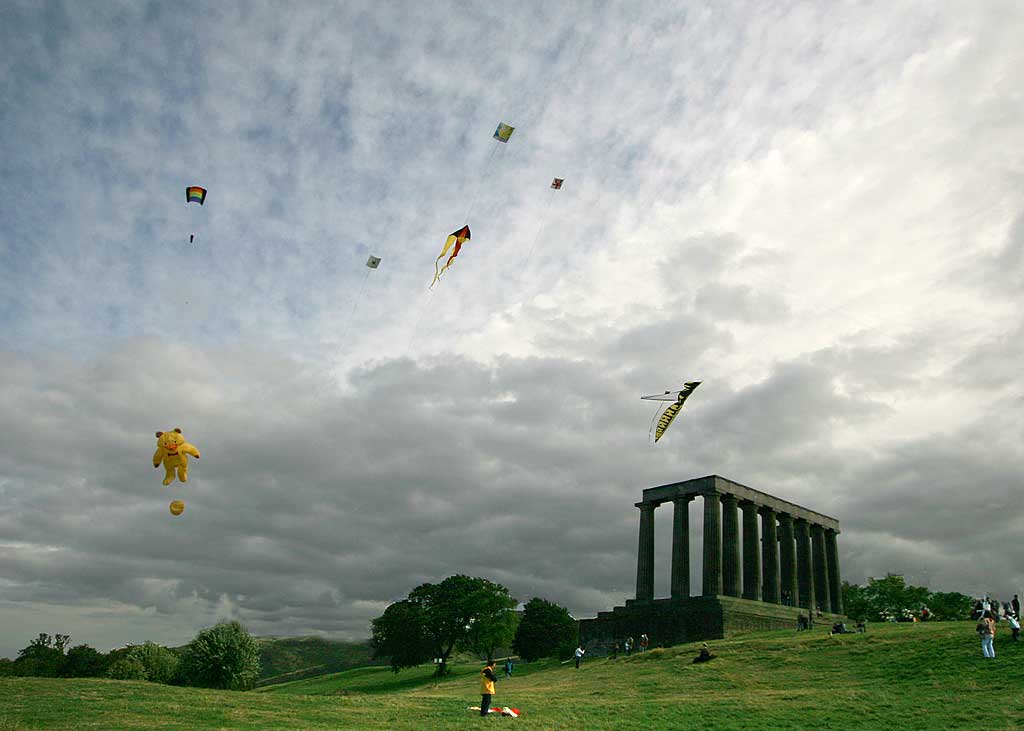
508 667
487 680
1014 626
986 628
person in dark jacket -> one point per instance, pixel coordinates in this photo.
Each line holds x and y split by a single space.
487 680
508 667
704 656
1016 606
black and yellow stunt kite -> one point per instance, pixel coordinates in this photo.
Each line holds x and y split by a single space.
678 397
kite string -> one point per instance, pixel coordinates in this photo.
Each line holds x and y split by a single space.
657 411
540 229
479 185
355 303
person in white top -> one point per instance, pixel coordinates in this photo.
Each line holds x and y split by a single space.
1014 626
579 656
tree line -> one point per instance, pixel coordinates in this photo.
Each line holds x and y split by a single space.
463 613
225 656
892 599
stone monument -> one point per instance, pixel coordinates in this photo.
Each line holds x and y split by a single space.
788 567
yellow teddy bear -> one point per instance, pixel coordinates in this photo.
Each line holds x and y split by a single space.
173 451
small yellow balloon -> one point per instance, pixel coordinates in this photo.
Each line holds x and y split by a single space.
177 507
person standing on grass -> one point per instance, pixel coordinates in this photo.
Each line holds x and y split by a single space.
1016 606
629 645
579 656
645 641
1014 626
986 628
508 667
487 679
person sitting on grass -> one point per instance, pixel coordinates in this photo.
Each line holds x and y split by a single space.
705 655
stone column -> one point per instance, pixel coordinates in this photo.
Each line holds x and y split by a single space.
751 554
645 554
681 547
804 574
787 561
712 545
835 585
770 550
821 583
730 547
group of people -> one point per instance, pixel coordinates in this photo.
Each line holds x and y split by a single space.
630 644
987 612
998 610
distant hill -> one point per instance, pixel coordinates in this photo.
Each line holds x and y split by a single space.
284 659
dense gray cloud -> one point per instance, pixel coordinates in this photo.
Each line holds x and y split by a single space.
813 209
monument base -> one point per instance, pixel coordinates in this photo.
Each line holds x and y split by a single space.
676 621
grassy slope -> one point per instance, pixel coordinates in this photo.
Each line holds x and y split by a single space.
288 658
925 676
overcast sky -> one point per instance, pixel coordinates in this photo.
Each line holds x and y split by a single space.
815 209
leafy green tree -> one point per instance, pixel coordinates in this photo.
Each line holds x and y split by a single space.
855 603
950 605
546 630
127 668
161 663
456 613
6 667
225 656
83 661
44 656
499 631
400 634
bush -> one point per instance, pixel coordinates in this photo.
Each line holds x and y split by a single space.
161 664
83 661
127 668
224 657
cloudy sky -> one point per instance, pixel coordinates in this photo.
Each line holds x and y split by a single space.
815 209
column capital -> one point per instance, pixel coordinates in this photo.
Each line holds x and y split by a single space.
646 506
687 499
784 518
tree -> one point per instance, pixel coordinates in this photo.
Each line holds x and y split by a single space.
456 613
83 661
161 663
855 602
401 635
950 605
44 656
225 657
127 668
546 630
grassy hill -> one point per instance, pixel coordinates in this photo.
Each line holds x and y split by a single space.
908 676
290 658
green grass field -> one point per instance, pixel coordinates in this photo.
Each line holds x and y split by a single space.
908 676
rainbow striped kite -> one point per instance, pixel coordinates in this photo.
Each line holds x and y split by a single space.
195 194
